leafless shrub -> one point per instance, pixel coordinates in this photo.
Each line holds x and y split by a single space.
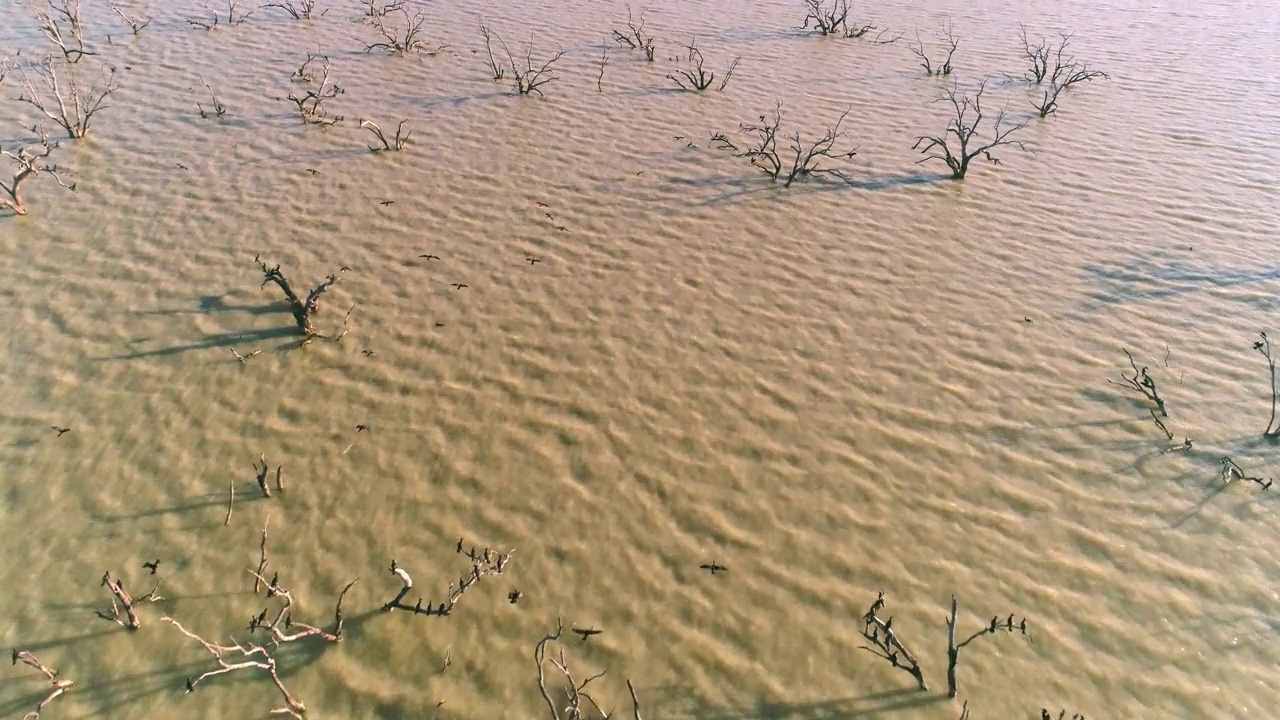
303 311
1232 471
963 129
827 20
918 49
859 31
404 36
135 23
635 37
59 686
30 162
394 144
311 103
496 69
233 17
59 20
217 110
799 160
1141 383
305 72
578 703
696 77
301 10
1060 83
372 8
526 78
70 105
1263 346
953 648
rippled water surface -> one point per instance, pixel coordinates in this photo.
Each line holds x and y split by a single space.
896 384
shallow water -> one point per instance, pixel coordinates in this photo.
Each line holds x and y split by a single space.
833 390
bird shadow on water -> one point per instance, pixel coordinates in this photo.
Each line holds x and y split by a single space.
682 704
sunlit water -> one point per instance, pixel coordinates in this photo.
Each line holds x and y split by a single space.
897 385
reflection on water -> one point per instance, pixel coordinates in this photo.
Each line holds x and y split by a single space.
896 383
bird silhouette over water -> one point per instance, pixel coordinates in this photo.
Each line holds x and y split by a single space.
60 430
153 566
459 286
562 228
541 204
714 567
429 256
313 171
384 203
533 260
368 353
586 633
549 216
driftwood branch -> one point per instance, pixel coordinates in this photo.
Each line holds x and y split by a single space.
64 100
1232 471
796 161
953 648
251 657
496 69
59 21
887 644
1141 383
695 77
404 36
300 10
29 162
961 142
263 472
482 565
303 310
135 23
635 37
59 686
262 557
604 61
311 103
394 144
527 77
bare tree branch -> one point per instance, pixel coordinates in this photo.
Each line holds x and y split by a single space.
1232 471
136 24
827 20
1141 383
696 77
218 110
311 103
395 144
953 648
482 565
919 50
70 106
402 37
233 6
887 644
963 129
121 598
803 158
303 311
496 69
251 657
526 78
300 10
635 38
60 14
59 686
29 160
1263 347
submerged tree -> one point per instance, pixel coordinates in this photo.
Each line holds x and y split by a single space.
961 142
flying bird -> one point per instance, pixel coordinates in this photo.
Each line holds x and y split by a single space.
386 202
459 286
313 171
153 566
549 215
368 353
587 632
429 256
184 167
533 260
562 228
439 324
60 430
541 204
714 567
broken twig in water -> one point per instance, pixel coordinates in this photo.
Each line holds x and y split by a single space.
1141 383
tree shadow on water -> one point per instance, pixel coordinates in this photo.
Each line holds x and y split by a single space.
215 340
678 703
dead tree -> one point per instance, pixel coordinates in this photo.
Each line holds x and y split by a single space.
827 20
262 473
1141 383
1054 65
526 78
232 18
482 565
394 144
696 77
135 23
919 50
1232 471
635 37
303 311
311 103
217 110
59 686
604 60
496 69
1263 347
305 72
66 102
30 162
887 644
1060 83
120 598
577 701
963 129
399 37
953 648
301 10
61 25
799 160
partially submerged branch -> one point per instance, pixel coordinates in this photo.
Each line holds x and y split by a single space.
300 10
950 42
578 702
233 17
963 130
635 37
62 27
217 110
311 103
826 19
135 23
303 310
496 69
405 36
1263 347
59 686
394 144
799 160
251 657
953 648
30 162
527 77
1232 471
482 565
887 644
696 78
1053 64
120 598
1141 383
